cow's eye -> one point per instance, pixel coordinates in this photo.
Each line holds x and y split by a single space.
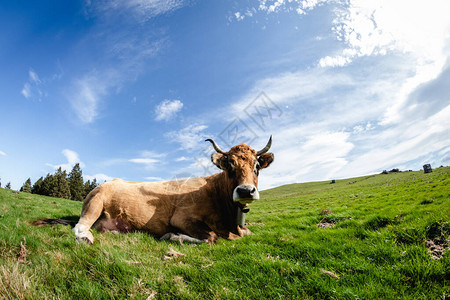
231 163
256 168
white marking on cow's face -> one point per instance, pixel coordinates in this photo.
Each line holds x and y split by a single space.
245 193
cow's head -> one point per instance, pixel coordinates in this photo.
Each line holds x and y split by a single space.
242 165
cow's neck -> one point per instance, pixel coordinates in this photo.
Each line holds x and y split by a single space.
223 194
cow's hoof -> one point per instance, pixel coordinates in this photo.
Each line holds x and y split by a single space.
84 240
87 239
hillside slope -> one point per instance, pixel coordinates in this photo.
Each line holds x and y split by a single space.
379 236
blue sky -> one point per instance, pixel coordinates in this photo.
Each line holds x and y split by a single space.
130 89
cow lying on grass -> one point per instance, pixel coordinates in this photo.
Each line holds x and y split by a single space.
198 210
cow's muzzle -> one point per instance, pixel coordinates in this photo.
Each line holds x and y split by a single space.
245 193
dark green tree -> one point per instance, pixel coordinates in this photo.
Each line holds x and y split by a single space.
26 187
61 187
89 186
93 184
47 185
76 183
37 186
8 186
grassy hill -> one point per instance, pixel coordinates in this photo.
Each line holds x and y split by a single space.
381 236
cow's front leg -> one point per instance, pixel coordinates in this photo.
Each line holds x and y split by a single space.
192 229
243 231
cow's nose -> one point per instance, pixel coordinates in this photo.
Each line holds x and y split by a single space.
246 191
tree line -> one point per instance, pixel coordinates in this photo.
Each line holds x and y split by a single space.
61 185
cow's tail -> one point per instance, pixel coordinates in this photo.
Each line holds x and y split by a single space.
50 222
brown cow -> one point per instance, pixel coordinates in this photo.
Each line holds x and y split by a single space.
200 209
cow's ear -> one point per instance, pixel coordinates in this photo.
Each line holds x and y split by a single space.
265 160
219 160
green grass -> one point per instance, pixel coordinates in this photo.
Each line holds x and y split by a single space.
375 249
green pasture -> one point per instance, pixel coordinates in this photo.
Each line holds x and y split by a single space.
383 236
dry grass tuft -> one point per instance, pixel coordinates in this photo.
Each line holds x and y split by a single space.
13 283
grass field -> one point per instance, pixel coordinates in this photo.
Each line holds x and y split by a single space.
381 236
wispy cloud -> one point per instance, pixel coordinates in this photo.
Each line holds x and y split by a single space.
145 161
332 123
190 138
300 7
143 10
2 153
182 158
148 158
100 177
167 109
32 88
131 49
154 178
72 159
86 94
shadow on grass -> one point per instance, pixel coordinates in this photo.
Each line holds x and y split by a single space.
67 220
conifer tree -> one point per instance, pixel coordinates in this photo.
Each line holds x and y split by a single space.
61 188
47 185
76 183
26 187
93 184
89 186
37 186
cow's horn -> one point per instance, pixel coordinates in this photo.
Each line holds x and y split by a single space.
217 148
266 148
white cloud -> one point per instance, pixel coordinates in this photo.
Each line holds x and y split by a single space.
300 7
377 27
148 159
142 10
182 158
144 161
154 178
26 91
100 177
333 127
167 109
130 53
2 153
402 28
86 95
190 138
335 61
72 159
34 78
32 88
300 158
238 16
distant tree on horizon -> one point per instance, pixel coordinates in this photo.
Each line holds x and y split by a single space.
37 187
76 183
47 185
8 186
61 187
26 187
89 186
